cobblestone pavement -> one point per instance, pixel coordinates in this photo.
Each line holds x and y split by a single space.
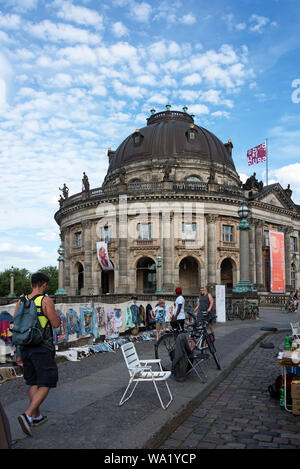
239 413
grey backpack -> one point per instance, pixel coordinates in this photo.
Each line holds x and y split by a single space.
27 328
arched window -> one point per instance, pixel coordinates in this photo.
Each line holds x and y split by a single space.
137 138
193 178
135 180
191 134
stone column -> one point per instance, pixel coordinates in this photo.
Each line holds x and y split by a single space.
12 285
167 253
287 233
244 255
66 238
298 263
259 254
211 250
88 285
252 253
123 250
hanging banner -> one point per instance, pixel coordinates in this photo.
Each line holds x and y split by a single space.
277 262
103 257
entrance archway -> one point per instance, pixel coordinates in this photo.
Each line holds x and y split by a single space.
108 281
146 275
189 276
80 278
227 273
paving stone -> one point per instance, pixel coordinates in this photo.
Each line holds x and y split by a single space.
240 413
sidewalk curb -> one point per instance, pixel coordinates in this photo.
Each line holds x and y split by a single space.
163 433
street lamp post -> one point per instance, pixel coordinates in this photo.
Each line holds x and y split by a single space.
158 274
12 283
61 260
244 285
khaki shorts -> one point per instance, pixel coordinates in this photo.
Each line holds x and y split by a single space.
160 325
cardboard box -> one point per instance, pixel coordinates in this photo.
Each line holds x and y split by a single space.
295 389
296 407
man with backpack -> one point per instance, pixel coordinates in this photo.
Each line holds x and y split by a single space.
34 318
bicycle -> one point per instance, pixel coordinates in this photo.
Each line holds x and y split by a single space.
245 309
198 338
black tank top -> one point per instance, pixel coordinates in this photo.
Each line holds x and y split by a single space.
203 303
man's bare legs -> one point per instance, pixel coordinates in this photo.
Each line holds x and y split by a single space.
36 396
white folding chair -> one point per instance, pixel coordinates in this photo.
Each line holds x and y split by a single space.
295 329
196 362
140 371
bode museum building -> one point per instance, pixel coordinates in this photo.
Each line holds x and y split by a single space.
167 212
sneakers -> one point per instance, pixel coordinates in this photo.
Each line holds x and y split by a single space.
37 422
25 424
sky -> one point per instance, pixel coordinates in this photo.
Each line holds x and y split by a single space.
77 77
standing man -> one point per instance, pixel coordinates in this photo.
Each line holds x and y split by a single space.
39 366
205 308
179 314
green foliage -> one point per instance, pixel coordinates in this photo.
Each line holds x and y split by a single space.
22 280
52 273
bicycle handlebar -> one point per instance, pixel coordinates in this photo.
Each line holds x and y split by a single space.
197 322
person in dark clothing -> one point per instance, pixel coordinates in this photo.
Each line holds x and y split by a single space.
204 308
39 365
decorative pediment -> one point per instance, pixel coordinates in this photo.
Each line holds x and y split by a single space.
276 196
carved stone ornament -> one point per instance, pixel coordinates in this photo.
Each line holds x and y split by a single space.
253 184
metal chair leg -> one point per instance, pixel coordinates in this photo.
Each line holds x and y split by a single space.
123 400
160 399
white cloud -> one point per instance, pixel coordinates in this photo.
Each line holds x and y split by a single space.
198 109
119 29
21 6
225 114
9 21
259 22
193 79
188 95
188 19
140 11
80 15
289 174
56 32
79 55
241 26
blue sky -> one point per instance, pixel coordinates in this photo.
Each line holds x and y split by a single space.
77 77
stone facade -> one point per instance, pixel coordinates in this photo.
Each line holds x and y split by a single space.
191 204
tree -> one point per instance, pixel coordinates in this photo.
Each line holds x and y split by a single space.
22 280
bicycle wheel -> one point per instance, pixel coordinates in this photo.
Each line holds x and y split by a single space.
164 350
242 312
235 310
212 350
255 312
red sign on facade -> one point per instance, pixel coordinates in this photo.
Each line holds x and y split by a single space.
277 262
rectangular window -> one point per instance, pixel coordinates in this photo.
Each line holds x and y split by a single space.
227 233
293 243
144 231
189 231
78 239
106 234
267 238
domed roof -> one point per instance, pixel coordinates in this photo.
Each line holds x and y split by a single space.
171 134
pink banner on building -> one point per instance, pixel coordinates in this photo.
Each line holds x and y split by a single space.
257 154
277 262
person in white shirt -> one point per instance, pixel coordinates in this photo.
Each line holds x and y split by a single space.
179 314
